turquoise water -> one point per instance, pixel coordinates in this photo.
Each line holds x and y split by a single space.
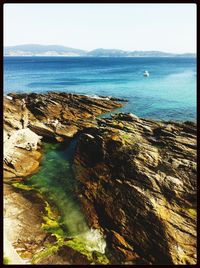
169 93
55 181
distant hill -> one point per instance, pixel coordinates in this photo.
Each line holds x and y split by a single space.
42 50
100 52
56 50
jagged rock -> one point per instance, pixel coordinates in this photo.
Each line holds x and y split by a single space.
141 189
29 118
43 130
52 116
137 177
127 117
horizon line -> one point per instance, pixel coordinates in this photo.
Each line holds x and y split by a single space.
86 50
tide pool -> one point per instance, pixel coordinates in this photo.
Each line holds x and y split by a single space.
64 218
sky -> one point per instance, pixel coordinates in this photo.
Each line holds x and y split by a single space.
163 27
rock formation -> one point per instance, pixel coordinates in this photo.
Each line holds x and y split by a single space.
137 181
52 117
28 120
136 178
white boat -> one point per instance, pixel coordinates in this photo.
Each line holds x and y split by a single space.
146 73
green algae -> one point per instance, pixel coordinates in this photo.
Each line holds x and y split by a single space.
63 217
23 186
128 139
192 211
49 251
55 182
78 243
6 260
95 257
51 222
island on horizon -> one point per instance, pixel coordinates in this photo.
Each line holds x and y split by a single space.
99 143
57 50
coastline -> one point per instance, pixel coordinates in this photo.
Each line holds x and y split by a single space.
101 137
168 94
15 142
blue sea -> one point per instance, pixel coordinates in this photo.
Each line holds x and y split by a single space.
169 93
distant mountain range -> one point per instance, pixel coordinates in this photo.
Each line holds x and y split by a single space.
56 50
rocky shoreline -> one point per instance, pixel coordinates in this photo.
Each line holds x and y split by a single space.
136 178
138 182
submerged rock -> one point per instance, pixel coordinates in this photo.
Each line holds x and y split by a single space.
137 181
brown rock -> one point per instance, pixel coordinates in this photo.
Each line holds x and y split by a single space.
54 117
142 192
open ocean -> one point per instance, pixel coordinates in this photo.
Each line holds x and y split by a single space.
169 93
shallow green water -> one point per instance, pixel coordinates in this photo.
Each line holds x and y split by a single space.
64 218
55 181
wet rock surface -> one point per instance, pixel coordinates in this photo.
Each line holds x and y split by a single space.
28 118
65 255
24 237
136 178
22 222
137 182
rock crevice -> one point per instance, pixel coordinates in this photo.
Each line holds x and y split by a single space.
140 189
136 178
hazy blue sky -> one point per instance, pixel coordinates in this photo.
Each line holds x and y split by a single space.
165 27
